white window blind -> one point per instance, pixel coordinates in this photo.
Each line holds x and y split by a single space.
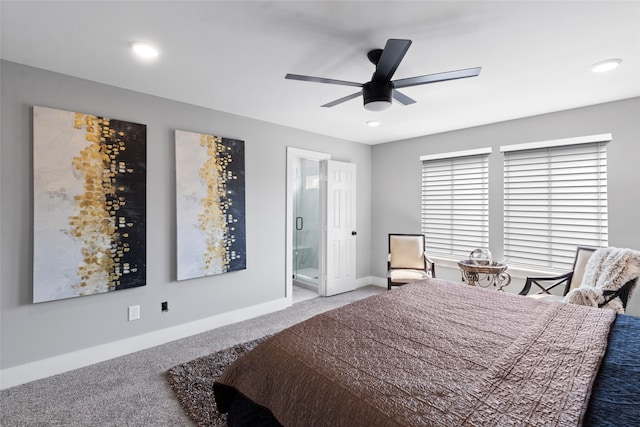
455 202
555 198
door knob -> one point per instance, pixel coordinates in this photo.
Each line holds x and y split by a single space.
353 233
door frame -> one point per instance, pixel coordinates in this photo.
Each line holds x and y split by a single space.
293 154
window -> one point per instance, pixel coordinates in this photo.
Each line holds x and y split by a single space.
455 202
555 198
312 182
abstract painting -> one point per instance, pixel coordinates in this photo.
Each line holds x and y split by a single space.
210 205
89 190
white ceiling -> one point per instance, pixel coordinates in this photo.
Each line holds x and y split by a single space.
233 56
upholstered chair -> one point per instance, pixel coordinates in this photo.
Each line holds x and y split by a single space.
601 277
554 288
408 261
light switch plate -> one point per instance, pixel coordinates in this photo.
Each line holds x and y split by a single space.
134 312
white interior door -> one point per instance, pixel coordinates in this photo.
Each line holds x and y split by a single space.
340 225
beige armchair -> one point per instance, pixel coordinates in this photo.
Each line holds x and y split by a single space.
601 277
407 261
545 286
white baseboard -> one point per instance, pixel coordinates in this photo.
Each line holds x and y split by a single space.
371 280
379 281
40 369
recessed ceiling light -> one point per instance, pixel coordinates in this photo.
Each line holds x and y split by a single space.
144 50
373 123
607 65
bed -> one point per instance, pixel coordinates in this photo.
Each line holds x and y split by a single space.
445 354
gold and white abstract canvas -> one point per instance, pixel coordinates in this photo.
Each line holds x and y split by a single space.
210 205
89 190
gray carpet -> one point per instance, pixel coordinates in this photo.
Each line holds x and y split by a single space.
133 390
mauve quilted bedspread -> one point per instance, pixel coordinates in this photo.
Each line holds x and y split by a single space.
429 353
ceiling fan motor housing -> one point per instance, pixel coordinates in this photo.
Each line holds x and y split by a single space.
377 92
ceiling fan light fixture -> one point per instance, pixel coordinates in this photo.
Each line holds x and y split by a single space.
606 65
377 105
377 97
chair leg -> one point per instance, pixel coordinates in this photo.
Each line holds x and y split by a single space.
388 284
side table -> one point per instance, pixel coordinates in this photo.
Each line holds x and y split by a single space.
481 273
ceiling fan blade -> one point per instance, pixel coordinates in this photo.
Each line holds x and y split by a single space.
438 77
341 100
402 98
392 55
321 80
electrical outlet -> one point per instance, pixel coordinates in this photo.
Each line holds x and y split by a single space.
164 306
134 312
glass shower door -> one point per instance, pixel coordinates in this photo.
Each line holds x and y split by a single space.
306 212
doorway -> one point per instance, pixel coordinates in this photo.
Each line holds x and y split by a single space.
306 224
305 243
324 260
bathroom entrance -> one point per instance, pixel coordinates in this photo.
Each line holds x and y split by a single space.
306 224
321 221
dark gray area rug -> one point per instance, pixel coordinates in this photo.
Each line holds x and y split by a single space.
193 381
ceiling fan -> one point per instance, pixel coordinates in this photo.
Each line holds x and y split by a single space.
379 92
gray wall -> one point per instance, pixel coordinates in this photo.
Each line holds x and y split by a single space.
31 332
396 182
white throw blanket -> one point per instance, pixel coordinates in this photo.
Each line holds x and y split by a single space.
608 269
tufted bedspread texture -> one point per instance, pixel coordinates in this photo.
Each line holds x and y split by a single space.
429 353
